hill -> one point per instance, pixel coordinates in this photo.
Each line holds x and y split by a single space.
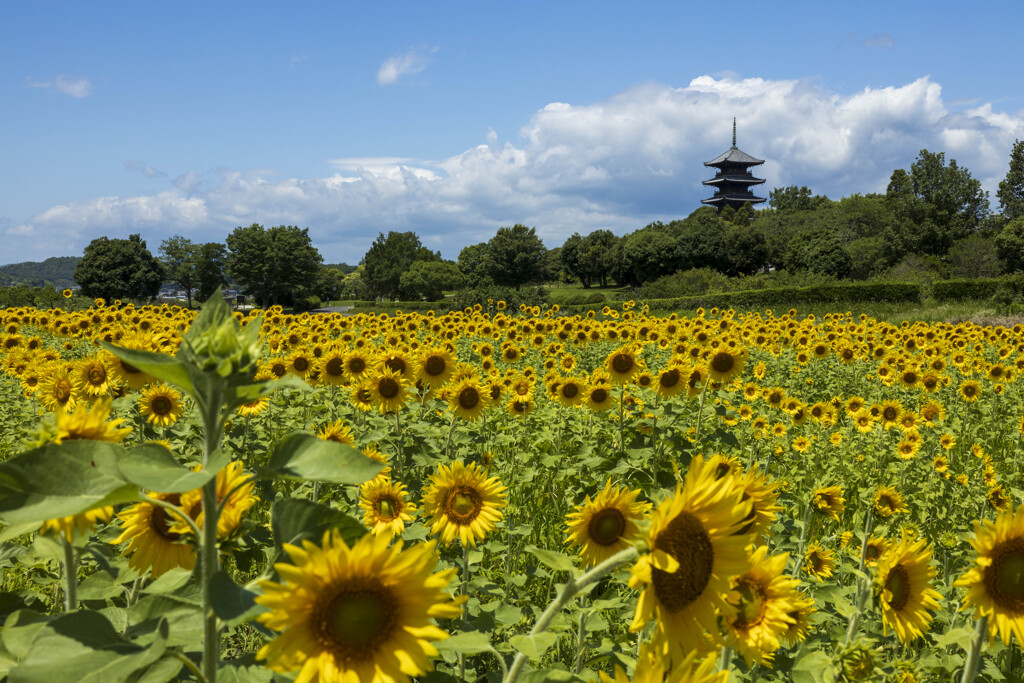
57 270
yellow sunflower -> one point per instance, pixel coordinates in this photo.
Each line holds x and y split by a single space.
389 390
829 501
358 364
152 545
874 549
819 562
762 493
623 363
521 406
904 589
90 422
695 552
970 390
435 366
996 581
253 408
338 432
77 524
726 363
598 397
671 382
385 509
332 367
365 613
764 597
160 405
607 524
57 389
888 502
236 487
463 503
469 399
95 376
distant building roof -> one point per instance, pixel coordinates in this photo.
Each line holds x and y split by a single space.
734 156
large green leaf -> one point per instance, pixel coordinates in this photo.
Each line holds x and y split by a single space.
153 467
295 519
303 456
84 644
165 368
62 480
534 646
232 603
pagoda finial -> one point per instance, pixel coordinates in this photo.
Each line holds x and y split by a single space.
734 131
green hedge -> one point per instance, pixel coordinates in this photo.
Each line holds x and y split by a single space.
960 290
896 292
403 305
23 295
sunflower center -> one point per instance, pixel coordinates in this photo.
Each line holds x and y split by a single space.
570 390
469 398
360 618
388 387
463 504
898 583
889 413
300 364
606 526
356 365
97 376
387 509
1004 578
435 366
753 604
622 363
669 379
334 367
688 542
723 362
159 521
62 392
599 395
395 365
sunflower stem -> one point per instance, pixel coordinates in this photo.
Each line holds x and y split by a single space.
213 427
580 636
974 654
725 660
700 412
569 591
465 592
862 587
70 576
803 541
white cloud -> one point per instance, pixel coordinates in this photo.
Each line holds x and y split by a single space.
141 167
880 40
412 62
76 87
619 163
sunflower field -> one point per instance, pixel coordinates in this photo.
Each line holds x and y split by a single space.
508 495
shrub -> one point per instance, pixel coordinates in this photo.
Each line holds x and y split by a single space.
487 297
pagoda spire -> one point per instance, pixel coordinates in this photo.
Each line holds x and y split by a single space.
733 181
734 132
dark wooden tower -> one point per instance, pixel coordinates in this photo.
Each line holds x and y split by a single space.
733 181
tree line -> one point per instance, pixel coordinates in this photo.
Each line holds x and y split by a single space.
933 216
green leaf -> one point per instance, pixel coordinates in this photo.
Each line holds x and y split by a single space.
961 637
534 646
246 393
813 667
169 581
294 519
165 368
154 468
554 560
232 603
303 456
87 644
99 586
62 480
466 642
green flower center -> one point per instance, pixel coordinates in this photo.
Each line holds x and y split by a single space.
358 621
1004 578
606 526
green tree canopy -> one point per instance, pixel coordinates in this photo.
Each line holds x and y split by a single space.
1011 188
1010 244
388 257
211 264
179 257
276 265
119 269
475 264
427 280
516 256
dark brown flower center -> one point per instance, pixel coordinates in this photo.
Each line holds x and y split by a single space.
469 398
723 362
356 365
599 395
669 378
388 388
463 504
395 365
622 363
753 604
359 619
606 526
688 542
334 367
898 583
435 366
162 406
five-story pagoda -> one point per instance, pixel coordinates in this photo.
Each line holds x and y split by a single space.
733 181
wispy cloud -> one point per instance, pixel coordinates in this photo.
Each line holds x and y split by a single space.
75 87
296 60
136 166
412 62
618 163
880 40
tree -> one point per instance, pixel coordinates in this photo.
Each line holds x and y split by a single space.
1011 188
475 264
793 198
596 255
211 263
974 257
178 255
1010 244
516 256
935 204
119 269
388 257
569 258
651 252
427 280
279 264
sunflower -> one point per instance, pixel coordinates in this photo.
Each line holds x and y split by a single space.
435 366
234 498
362 395
606 525
94 375
670 382
695 552
696 378
763 597
890 413
160 405
151 543
469 399
904 590
357 364
254 407
571 392
598 397
762 493
338 432
932 412
332 367
970 390
874 549
364 613
819 562
389 390
521 406
888 502
57 389
90 422
829 501
66 293
385 509
463 503
727 363
623 363
399 363
862 421
77 524
800 618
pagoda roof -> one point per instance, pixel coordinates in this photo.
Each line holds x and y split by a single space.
723 198
734 156
738 179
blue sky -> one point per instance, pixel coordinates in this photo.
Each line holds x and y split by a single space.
451 119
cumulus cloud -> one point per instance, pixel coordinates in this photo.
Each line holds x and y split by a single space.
618 163
412 62
76 87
